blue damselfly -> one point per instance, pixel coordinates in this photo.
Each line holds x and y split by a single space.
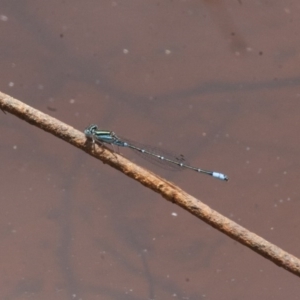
109 137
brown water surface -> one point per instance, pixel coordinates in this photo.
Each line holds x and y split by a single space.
218 81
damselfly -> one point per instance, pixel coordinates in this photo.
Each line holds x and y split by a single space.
109 137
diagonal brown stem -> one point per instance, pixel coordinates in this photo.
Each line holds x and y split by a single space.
168 190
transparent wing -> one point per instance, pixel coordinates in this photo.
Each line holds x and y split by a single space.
155 155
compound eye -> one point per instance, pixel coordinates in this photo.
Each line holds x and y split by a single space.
93 127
